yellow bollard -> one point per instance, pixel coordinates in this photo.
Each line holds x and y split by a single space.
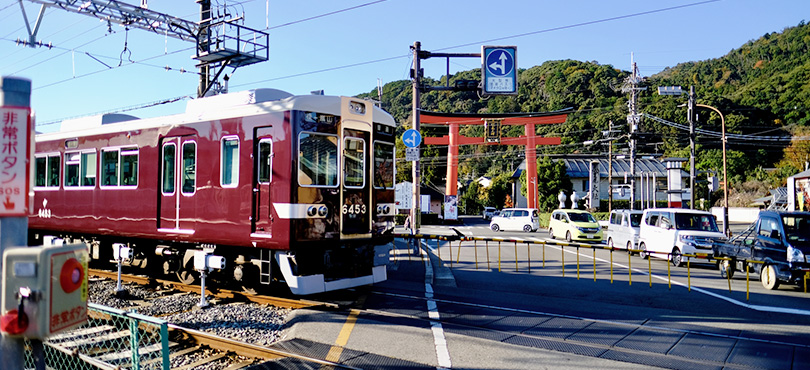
544 254
562 249
529 256
806 275
499 256
688 275
516 257
728 276
611 265
449 246
649 269
577 262
488 268
747 287
669 277
594 263
629 271
439 249
475 248
458 252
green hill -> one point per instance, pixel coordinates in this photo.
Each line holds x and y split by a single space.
762 87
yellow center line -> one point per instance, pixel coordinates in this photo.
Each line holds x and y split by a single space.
345 332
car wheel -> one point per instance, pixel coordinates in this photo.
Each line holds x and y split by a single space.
610 243
629 248
768 277
568 236
643 251
726 268
495 227
551 233
527 228
676 258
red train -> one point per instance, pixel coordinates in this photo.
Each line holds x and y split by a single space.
298 189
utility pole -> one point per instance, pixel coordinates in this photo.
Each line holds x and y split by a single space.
690 111
204 47
416 76
610 166
633 119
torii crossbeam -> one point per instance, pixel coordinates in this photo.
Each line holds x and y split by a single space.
530 140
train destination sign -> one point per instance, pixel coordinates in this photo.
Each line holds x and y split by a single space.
499 70
14 168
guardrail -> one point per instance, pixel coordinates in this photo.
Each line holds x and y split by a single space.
527 262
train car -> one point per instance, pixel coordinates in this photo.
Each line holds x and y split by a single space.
298 189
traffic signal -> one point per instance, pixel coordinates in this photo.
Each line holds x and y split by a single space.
466 85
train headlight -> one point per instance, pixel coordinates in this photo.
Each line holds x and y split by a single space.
323 211
311 211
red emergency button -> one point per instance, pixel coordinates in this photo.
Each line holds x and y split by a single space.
71 276
14 323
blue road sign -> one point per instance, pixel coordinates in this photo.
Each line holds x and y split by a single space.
412 138
499 70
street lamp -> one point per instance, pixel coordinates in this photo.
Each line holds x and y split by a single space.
725 173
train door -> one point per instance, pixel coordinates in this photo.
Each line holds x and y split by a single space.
261 217
178 184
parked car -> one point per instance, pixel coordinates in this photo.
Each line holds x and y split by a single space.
623 228
778 244
488 212
672 232
526 219
574 224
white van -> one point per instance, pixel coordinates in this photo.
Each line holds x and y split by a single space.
623 228
672 232
526 219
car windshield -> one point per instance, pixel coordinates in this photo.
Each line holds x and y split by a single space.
581 217
797 228
692 221
635 219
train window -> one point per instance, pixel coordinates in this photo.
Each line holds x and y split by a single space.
119 167
109 167
46 171
129 167
189 167
317 159
354 162
265 161
229 162
80 169
167 180
88 169
383 165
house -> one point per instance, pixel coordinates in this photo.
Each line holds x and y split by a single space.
403 194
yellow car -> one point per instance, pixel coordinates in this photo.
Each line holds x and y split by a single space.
574 225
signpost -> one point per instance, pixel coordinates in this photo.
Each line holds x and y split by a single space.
412 139
499 70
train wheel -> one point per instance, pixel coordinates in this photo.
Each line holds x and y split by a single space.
186 274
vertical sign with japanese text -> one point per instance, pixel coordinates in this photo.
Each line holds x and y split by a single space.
15 144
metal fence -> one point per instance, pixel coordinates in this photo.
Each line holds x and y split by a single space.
529 255
111 339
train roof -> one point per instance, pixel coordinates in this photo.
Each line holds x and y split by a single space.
238 104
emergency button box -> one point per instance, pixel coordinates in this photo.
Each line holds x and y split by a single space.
44 290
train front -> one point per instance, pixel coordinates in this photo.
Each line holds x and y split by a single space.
343 190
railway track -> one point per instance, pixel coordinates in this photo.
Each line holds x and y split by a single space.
117 339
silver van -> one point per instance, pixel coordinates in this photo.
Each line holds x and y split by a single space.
623 228
672 232
526 219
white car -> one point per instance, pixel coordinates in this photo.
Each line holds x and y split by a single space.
488 212
672 232
526 219
623 228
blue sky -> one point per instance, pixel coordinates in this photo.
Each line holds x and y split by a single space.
345 47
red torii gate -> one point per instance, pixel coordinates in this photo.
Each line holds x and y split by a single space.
530 140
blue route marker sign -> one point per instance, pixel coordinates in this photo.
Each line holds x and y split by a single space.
499 70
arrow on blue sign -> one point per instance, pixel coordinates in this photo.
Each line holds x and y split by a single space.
412 138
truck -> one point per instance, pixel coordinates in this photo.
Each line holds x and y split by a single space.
776 246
